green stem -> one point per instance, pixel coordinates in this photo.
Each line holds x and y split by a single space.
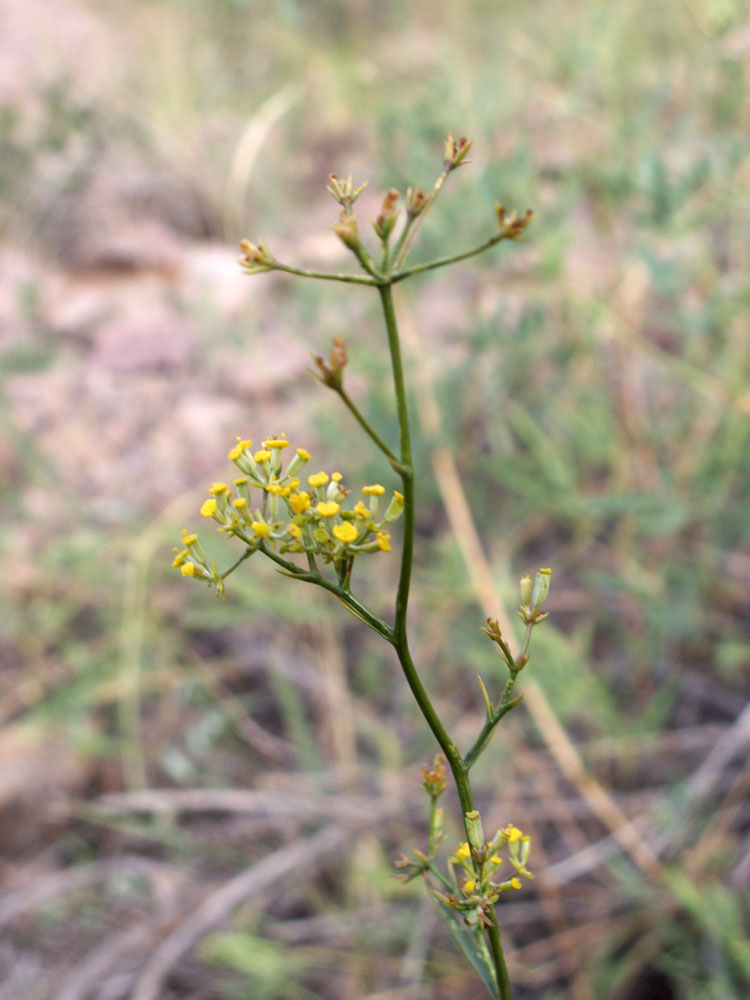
371 433
410 232
245 555
444 261
349 279
458 767
347 599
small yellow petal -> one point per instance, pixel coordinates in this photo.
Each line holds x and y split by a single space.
318 479
262 456
384 541
469 885
294 530
209 508
299 502
261 529
516 883
303 454
327 509
188 569
345 532
376 490
218 488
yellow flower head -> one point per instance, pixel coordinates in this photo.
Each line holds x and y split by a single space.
516 883
469 885
327 509
496 859
188 539
463 851
218 488
376 490
398 496
188 569
276 443
240 503
261 529
384 541
299 502
262 456
294 530
240 480
318 479
180 558
336 477
345 532
360 510
512 833
303 454
241 446
209 508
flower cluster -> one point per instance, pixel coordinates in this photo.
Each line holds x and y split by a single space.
480 863
272 510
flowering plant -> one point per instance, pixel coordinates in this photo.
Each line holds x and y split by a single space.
313 533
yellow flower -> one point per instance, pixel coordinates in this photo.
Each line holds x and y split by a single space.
336 477
384 541
327 509
240 503
512 833
398 496
188 569
469 885
376 490
262 456
294 530
360 510
318 479
218 488
261 529
463 851
209 508
240 480
299 502
345 532
241 446
188 539
276 443
516 883
303 454
496 859
180 558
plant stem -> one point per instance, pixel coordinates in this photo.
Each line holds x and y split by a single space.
366 427
444 261
349 279
458 766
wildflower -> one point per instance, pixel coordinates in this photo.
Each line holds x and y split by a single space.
384 541
209 508
262 456
261 529
345 532
294 530
318 479
327 509
376 490
469 885
299 502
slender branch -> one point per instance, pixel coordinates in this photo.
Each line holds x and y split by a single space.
407 241
498 957
346 598
367 428
349 279
245 555
444 261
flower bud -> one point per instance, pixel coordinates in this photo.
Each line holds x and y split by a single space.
347 231
395 508
386 219
416 200
540 589
474 829
455 152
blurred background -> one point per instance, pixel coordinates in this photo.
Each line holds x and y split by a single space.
204 799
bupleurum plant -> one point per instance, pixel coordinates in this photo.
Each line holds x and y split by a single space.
310 527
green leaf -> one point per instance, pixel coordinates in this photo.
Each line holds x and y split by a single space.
471 942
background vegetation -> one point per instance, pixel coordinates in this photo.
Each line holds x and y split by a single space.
158 744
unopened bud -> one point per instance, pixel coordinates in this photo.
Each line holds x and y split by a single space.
416 200
347 231
386 220
455 152
540 589
332 373
474 830
512 226
395 508
526 590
